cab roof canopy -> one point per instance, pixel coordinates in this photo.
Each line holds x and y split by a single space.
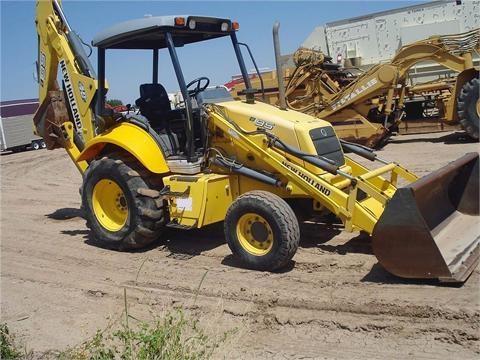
149 32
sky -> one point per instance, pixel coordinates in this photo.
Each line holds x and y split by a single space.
214 59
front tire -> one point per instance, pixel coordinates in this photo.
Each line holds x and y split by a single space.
118 212
468 107
262 231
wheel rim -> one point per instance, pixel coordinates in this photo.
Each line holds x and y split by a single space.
36 146
109 205
254 234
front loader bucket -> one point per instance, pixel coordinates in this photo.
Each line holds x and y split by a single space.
430 228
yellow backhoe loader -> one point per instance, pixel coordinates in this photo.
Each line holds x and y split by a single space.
247 163
367 107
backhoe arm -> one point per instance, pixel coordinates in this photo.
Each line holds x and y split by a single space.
65 118
453 52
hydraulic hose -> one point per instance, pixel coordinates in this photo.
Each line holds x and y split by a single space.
246 171
321 162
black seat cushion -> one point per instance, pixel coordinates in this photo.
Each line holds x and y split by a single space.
154 103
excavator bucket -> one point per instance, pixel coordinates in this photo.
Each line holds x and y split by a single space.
430 228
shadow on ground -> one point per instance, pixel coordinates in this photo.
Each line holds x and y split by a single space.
319 233
449 139
187 244
66 214
379 275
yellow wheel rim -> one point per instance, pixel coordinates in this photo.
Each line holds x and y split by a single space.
254 234
109 205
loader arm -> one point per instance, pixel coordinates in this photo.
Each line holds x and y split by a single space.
340 197
66 116
414 227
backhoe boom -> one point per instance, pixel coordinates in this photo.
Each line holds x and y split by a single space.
60 50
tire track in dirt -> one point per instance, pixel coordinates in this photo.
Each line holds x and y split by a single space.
261 299
334 301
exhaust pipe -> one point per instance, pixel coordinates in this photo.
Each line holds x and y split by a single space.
429 229
281 84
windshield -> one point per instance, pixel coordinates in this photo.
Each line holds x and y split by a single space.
126 70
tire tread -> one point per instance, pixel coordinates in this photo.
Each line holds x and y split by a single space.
287 221
149 220
466 107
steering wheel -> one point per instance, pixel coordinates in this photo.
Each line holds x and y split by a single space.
198 87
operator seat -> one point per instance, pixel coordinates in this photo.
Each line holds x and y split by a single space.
154 104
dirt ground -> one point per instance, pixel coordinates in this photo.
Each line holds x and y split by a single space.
335 301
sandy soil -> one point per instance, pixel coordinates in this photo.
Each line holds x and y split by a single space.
335 301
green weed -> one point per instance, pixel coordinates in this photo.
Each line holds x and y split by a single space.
8 348
174 336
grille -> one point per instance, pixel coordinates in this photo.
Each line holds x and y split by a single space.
326 143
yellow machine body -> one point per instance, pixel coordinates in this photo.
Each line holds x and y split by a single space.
246 163
200 199
132 139
331 191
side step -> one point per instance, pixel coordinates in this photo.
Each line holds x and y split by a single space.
176 225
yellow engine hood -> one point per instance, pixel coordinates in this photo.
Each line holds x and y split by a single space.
289 125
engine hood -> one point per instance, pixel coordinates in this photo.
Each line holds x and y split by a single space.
270 113
289 125
309 134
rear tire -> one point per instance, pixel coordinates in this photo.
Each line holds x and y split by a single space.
120 216
35 145
262 230
468 107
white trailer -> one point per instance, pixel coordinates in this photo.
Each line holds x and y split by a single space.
16 128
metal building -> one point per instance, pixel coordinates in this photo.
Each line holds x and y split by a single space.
372 39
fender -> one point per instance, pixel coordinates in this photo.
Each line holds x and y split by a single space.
132 139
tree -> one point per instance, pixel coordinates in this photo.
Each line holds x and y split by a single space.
114 102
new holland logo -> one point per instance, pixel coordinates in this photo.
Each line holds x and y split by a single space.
81 90
325 191
71 96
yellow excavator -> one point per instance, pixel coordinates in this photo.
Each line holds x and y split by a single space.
365 108
252 165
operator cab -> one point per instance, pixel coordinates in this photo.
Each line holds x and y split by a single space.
181 131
